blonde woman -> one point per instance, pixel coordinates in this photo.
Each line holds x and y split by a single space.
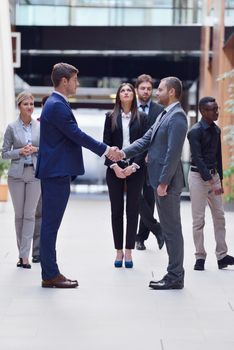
20 144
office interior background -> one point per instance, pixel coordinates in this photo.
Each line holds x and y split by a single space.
112 41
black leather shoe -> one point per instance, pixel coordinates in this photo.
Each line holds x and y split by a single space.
36 259
166 283
140 245
199 265
227 260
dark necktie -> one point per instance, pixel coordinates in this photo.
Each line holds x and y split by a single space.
143 107
163 113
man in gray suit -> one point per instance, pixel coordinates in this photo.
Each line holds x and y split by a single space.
164 142
144 89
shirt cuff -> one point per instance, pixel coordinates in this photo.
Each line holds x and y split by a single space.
106 151
113 165
136 165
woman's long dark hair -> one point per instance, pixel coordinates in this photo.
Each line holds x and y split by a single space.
117 107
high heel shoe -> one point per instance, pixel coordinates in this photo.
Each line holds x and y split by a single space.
26 266
128 259
20 263
118 263
128 264
119 259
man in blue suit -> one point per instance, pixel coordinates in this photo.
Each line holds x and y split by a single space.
59 160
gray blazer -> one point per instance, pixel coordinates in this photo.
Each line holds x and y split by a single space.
14 140
164 142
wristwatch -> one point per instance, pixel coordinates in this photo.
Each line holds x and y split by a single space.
133 169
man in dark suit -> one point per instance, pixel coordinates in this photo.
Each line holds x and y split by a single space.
144 89
59 160
164 142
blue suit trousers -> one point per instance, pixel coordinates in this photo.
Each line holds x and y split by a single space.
55 194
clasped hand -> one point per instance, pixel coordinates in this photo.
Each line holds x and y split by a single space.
28 149
123 173
115 154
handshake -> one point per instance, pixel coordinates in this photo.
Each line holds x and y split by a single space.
115 154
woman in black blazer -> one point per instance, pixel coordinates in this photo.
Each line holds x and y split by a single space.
124 125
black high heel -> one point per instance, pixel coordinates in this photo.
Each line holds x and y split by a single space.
20 263
26 266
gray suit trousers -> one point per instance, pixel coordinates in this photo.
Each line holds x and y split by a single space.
25 193
169 216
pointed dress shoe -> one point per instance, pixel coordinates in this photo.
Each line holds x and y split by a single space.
59 282
199 265
166 283
227 260
140 245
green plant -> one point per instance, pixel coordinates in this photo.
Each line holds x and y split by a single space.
4 164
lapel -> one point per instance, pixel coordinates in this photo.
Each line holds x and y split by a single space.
20 132
120 128
34 131
132 129
165 117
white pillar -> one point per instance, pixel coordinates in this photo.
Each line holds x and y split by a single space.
7 96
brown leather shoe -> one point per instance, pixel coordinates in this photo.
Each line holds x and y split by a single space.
59 282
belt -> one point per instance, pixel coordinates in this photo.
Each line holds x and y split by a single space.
27 165
211 171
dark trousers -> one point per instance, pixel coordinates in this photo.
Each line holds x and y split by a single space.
146 210
55 194
170 220
37 230
133 186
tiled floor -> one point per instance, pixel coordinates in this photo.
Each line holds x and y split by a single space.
113 309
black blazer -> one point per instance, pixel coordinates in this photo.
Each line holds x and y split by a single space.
154 110
115 138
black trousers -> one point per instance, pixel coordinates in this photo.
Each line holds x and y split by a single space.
146 209
117 187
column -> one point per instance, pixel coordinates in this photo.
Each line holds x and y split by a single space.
7 104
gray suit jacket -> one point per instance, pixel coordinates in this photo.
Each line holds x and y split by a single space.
14 140
164 142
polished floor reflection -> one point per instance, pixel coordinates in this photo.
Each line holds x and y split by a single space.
113 308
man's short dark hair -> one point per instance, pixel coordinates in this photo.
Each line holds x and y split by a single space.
62 70
144 78
44 99
174 83
204 101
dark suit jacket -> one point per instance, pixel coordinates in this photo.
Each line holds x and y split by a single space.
61 141
115 138
154 110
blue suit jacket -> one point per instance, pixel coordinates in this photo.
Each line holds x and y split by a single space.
61 141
